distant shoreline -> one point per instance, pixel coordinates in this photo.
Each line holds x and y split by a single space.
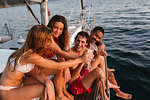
7 6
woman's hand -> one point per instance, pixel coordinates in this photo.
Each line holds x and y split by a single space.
49 90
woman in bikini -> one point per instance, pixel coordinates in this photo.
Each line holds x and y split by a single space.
59 27
39 40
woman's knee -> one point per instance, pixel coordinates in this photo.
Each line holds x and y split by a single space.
58 79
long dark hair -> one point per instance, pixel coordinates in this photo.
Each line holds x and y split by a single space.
63 39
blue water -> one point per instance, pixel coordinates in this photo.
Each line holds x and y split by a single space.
127 36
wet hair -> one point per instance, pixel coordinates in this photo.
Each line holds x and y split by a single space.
86 35
38 40
63 39
98 28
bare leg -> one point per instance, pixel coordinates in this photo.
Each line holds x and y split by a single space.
89 78
59 84
31 81
96 71
119 93
102 91
26 92
110 85
67 93
99 61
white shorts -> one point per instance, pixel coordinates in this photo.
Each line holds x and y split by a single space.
6 87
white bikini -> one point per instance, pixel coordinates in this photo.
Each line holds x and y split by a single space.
22 68
6 87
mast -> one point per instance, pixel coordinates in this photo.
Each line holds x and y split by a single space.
91 18
83 18
44 12
82 12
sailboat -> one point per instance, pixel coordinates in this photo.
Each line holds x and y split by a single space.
80 25
13 44
10 46
74 29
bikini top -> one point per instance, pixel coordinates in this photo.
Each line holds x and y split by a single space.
51 54
22 68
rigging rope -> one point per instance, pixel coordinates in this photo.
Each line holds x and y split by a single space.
107 90
72 9
97 95
90 15
28 7
7 25
32 18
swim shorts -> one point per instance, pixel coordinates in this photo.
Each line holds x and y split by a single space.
76 87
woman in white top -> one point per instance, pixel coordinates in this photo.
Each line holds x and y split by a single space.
39 40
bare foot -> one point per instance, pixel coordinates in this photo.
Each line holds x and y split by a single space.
61 97
124 95
69 95
110 85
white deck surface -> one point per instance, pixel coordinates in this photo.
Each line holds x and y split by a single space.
4 54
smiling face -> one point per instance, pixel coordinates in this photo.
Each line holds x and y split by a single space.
58 29
96 36
80 43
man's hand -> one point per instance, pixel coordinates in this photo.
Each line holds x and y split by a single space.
101 47
101 50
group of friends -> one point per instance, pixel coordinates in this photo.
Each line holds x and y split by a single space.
46 52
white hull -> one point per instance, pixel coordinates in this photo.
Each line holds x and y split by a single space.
4 54
74 29
4 39
13 44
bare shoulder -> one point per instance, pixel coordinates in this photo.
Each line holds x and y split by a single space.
54 47
70 50
30 56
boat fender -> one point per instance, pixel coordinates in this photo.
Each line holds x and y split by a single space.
4 39
20 41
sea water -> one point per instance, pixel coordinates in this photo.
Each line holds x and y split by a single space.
127 36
